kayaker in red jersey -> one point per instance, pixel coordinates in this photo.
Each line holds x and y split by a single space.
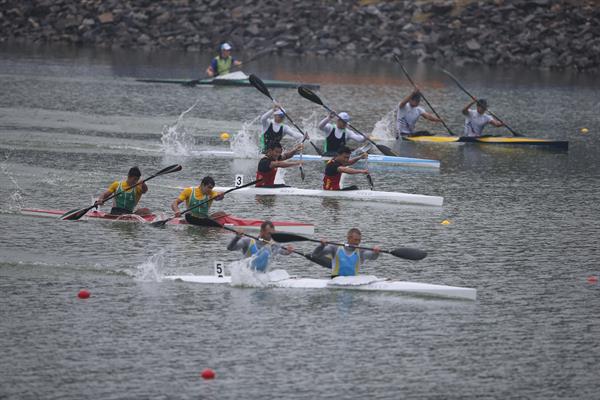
340 164
273 159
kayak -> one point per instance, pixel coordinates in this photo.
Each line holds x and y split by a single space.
362 195
280 279
232 79
373 158
227 220
519 141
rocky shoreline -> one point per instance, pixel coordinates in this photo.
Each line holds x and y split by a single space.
558 34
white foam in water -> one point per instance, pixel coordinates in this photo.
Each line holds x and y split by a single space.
245 143
310 126
384 128
243 276
175 138
152 269
15 202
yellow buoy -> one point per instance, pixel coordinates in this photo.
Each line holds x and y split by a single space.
224 136
584 130
445 222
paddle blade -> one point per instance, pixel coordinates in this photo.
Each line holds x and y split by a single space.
309 95
260 85
76 214
409 253
302 174
160 224
288 237
169 169
386 150
370 180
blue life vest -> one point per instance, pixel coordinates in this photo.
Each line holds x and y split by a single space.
345 265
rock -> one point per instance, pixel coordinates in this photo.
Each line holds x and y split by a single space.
106 18
473 45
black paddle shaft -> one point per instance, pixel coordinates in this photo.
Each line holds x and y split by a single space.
475 99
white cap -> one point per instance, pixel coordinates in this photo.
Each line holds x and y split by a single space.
344 116
279 111
225 46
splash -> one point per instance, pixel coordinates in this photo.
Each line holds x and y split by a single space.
175 139
15 201
152 269
384 129
310 126
243 276
245 142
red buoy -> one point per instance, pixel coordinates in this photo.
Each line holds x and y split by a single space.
208 374
592 279
83 294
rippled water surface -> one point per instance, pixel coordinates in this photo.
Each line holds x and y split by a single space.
523 231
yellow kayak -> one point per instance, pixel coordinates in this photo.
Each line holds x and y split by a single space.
505 140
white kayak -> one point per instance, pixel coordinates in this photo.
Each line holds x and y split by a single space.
362 195
373 158
280 279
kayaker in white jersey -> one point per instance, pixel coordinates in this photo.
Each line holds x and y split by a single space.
128 196
409 112
477 119
338 134
262 249
221 64
274 129
346 260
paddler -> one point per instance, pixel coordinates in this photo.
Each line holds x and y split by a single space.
346 260
273 159
221 64
127 198
261 249
409 112
338 134
196 195
274 129
477 119
340 165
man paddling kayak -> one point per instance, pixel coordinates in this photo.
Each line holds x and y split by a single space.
273 159
477 119
196 195
340 165
221 64
274 129
338 134
409 112
346 260
127 198
261 249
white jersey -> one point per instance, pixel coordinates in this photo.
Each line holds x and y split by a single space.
407 118
266 120
475 122
326 128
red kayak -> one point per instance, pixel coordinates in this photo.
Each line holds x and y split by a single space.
227 220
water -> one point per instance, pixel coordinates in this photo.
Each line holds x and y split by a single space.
523 232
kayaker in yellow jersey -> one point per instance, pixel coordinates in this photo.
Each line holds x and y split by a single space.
346 260
127 200
221 64
477 119
261 249
196 195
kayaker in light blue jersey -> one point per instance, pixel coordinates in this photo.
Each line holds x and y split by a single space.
261 249
346 260
221 64
476 120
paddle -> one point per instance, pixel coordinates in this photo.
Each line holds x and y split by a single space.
401 252
422 95
475 99
261 87
256 56
76 214
311 96
161 223
322 261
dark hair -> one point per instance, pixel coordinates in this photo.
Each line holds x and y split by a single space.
482 103
207 180
273 146
134 171
344 150
265 224
416 97
354 230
